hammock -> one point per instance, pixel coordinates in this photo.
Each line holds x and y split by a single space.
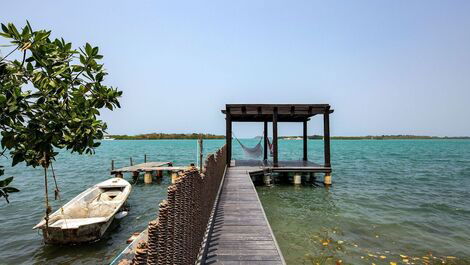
253 152
257 150
270 148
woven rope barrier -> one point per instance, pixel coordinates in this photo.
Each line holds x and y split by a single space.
177 235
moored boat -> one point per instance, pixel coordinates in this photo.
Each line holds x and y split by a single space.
86 217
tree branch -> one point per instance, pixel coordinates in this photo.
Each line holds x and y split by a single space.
9 54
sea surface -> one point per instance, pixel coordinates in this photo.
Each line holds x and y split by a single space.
392 201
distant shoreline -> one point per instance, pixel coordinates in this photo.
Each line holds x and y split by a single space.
193 136
166 136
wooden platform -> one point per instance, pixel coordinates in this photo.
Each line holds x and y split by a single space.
241 233
299 166
149 166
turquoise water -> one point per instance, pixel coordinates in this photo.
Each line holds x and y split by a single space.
389 198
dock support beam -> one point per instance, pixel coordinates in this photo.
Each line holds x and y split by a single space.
326 142
327 179
135 176
174 177
228 137
326 137
305 139
275 152
297 178
265 137
148 177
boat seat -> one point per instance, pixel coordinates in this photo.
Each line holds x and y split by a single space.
77 222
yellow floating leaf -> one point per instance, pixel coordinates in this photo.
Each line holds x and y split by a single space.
393 263
403 256
325 243
383 257
450 257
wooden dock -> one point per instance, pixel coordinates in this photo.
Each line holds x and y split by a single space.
151 170
241 233
148 166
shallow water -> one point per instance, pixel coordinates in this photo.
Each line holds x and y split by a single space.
391 197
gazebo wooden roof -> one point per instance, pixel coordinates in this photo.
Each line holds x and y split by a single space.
278 113
265 112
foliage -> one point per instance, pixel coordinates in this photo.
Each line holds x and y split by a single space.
50 96
5 190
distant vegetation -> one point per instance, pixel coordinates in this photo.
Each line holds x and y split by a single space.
160 136
377 137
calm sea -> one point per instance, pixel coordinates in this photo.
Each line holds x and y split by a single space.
391 201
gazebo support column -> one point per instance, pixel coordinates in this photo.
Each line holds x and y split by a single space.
228 138
326 142
305 141
275 152
265 149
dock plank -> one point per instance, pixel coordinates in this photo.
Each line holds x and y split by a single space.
143 167
241 233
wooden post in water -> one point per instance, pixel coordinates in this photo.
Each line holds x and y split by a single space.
265 137
200 154
135 175
228 136
297 178
145 158
326 143
148 177
130 161
112 164
275 150
174 177
305 142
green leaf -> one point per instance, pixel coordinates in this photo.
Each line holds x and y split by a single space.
10 190
5 29
5 182
3 98
17 158
88 49
14 30
29 26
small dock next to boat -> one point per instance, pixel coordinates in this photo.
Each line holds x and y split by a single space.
241 233
150 170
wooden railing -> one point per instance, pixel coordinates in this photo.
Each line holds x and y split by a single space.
177 235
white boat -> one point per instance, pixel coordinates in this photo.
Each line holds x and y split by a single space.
86 217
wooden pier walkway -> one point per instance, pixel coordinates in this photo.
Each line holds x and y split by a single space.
241 233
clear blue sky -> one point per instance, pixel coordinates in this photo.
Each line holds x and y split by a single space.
386 67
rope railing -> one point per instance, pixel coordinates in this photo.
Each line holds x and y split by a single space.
177 235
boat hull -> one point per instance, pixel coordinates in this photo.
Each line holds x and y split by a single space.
82 234
88 216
